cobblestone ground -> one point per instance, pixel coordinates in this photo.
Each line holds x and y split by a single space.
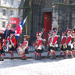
38 67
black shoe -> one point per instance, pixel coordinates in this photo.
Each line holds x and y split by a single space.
34 56
73 55
52 57
40 57
47 56
60 56
66 57
37 57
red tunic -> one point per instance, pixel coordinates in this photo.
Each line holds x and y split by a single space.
69 38
63 39
25 43
0 45
12 40
54 39
36 42
39 44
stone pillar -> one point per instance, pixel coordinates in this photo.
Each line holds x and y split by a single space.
54 17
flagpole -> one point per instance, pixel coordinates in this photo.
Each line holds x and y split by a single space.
26 25
18 30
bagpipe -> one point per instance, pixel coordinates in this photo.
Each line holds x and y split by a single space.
7 44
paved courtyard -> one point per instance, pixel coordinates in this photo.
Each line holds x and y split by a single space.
38 67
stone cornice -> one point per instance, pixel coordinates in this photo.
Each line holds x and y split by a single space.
65 4
8 7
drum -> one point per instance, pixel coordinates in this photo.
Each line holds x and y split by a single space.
20 50
4 48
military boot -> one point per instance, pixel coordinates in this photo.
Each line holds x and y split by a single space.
34 56
66 56
52 57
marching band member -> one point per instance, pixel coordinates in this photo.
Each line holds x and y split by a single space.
12 44
1 49
68 43
35 44
73 42
62 44
25 47
39 47
53 44
49 43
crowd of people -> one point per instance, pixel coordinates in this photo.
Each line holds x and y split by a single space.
67 45
12 45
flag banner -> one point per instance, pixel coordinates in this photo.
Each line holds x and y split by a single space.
6 32
18 30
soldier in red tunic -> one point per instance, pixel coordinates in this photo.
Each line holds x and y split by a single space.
39 47
53 44
35 44
12 44
25 47
62 44
1 49
68 44
73 42
49 43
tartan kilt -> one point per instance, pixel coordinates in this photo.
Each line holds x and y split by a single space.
49 48
12 49
26 51
2 51
68 48
63 48
40 51
36 50
53 48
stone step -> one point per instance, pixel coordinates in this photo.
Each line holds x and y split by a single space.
30 55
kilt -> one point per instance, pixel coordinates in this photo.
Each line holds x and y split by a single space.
40 51
36 50
2 51
50 48
12 49
26 51
68 48
63 48
53 48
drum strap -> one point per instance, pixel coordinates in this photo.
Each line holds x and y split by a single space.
0 44
11 41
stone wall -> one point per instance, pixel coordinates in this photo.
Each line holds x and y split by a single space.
64 14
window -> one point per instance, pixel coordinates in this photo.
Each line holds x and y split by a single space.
18 3
4 1
11 12
13 25
3 24
4 12
12 2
